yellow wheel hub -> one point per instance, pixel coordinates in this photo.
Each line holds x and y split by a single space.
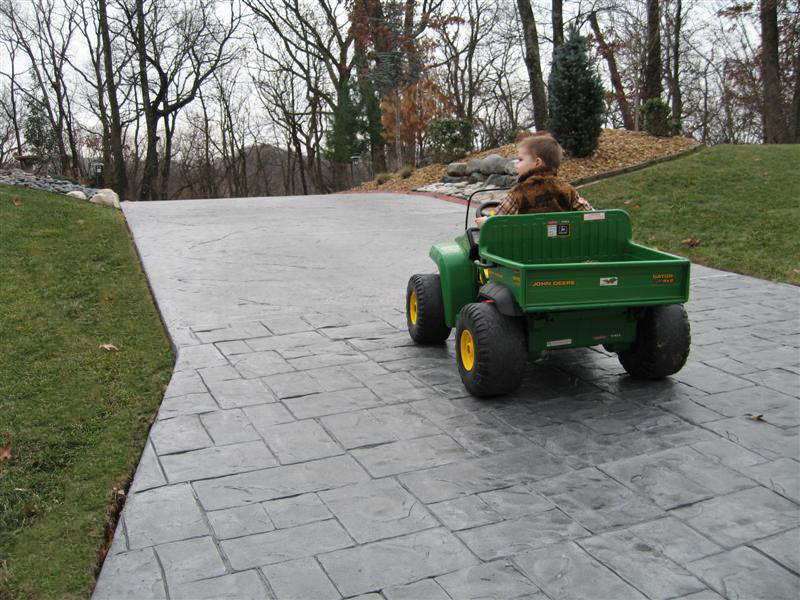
467 347
412 308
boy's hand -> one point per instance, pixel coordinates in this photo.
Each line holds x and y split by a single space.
479 221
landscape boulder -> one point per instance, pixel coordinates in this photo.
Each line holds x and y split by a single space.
474 166
106 197
477 177
494 163
77 194
457 169
501 181
451 179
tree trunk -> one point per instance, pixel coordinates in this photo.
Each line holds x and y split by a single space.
299 149
795 115
652 72
616 79
166 168
558 23
372 109
675 89
774 120
533 64
150 171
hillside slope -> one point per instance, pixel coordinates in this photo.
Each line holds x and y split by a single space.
731 207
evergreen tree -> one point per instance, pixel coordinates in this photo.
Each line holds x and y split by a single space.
39 135
576 98
343 140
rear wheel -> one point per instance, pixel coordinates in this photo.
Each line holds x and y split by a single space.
662 343
490 350
425 310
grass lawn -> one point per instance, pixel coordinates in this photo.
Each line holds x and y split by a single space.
741 202
76 415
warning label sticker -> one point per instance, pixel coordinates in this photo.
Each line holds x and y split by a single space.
594 216
609 281
557 229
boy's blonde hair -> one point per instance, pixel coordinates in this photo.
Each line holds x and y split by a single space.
543 145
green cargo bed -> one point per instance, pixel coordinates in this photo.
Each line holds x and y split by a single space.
579 260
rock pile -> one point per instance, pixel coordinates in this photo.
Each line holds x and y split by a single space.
22 178
464 178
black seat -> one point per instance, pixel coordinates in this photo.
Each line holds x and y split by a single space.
474 237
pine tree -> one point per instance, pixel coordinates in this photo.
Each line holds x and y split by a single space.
576 98
343 140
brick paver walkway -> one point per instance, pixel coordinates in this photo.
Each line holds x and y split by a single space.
305 449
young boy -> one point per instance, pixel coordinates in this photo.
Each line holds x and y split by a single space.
539 189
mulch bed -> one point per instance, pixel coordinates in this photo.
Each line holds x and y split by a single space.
618 148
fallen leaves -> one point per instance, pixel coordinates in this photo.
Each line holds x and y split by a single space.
16 201
5 452
109 347
755 417
691 242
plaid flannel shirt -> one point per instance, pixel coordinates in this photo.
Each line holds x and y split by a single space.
536 190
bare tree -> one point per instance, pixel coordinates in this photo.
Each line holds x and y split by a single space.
557 7
533 63
469 48
9 100
652 69
115 131
178 48
774 119
607 51
43 34
673 30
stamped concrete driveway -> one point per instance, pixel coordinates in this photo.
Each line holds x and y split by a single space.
306 450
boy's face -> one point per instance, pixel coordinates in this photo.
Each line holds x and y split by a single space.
527 161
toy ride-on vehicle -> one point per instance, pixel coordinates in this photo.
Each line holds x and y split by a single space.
525 284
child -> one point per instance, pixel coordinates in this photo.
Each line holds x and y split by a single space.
539 189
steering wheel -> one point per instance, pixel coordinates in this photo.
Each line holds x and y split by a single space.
487 208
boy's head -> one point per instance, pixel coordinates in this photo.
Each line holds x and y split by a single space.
538 150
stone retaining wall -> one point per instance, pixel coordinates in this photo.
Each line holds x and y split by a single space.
45 183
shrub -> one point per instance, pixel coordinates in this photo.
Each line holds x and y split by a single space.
450 138
576 100
405 172
657 118
382 178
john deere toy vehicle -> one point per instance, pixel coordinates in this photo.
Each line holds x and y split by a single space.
524 284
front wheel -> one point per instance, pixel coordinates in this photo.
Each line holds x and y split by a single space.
662 343
490 350
425 310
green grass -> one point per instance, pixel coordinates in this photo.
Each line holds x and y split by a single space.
76 415
741 202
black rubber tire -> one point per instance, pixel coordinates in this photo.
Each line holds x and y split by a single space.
662 343
430 327
500 350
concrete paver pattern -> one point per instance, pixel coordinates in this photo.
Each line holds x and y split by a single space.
306 449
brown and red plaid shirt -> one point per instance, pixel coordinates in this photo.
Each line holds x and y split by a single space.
541 190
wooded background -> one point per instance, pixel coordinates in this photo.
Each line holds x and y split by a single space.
216 98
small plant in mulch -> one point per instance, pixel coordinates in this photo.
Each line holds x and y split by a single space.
382 178
405 172
657 118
